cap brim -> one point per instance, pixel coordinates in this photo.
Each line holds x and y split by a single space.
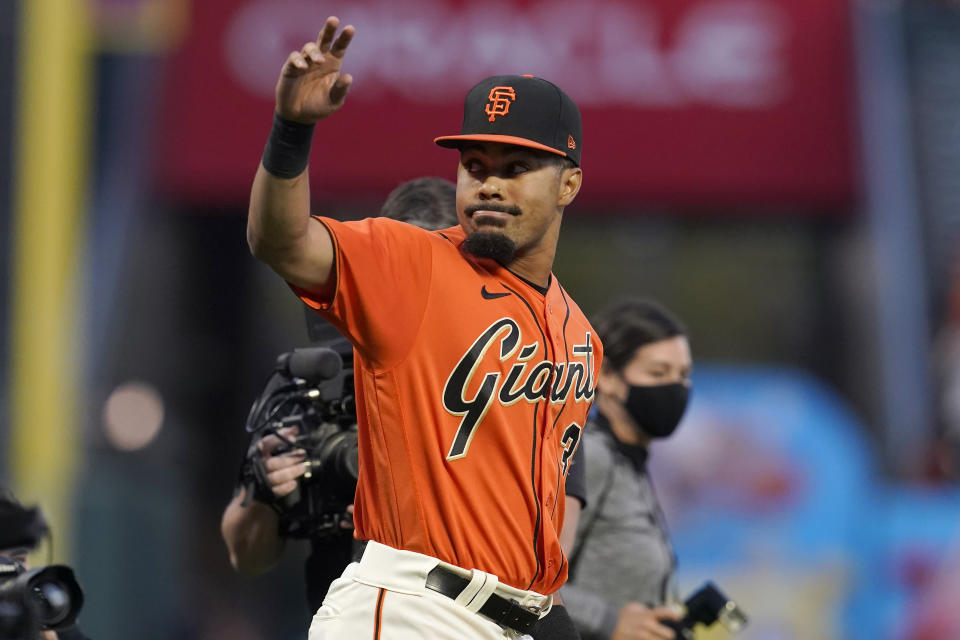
453 142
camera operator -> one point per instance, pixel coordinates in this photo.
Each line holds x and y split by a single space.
21 530
642 393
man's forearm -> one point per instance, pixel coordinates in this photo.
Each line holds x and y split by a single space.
281 234
571 516
279 215
252 535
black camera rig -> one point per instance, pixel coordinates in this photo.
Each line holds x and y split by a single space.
707 606
311 389
32 600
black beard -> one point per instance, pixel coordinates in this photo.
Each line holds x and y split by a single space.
490 244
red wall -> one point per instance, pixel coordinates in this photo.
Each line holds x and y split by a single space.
685 102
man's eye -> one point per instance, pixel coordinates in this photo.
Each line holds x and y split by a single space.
517 168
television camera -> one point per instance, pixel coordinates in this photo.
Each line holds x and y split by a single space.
32 600
312 389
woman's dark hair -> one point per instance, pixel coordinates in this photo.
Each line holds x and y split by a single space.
630 323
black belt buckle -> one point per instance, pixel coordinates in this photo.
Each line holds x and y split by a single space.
505 612
514 615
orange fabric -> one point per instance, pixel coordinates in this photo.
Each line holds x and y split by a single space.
436 332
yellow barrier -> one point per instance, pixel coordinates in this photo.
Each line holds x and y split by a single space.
51 157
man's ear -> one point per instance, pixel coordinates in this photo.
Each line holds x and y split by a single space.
570 181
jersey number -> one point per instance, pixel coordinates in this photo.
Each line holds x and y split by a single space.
569 441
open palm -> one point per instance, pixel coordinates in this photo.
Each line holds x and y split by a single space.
311 86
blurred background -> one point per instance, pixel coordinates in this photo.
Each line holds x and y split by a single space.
784 174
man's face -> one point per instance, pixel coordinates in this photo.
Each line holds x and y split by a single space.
510 192
17 554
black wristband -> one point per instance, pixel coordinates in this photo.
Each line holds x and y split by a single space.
288 148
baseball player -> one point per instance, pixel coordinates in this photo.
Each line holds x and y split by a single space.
251 528
474 369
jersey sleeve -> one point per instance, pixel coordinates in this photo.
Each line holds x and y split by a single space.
382 271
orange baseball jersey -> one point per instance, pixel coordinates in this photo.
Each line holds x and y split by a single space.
472 389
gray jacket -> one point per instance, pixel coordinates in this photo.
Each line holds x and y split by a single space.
622 552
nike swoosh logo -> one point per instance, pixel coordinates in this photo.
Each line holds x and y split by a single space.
491 296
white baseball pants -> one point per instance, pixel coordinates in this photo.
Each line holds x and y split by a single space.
383 597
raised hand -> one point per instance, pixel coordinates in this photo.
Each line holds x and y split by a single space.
311 86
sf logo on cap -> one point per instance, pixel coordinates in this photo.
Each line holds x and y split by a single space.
500 99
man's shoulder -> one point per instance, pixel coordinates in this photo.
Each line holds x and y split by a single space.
388 233
378 223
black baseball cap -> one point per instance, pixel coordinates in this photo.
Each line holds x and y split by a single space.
520 110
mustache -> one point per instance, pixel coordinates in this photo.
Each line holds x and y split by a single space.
471 209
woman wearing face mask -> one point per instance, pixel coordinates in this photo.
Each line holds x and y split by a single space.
622 564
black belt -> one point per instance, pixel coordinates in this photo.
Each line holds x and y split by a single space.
506 613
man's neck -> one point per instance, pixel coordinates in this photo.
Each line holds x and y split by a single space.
535 273
535 264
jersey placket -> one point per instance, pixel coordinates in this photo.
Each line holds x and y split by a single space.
549 469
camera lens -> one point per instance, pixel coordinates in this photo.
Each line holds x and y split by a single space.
54 602
350 459
55 595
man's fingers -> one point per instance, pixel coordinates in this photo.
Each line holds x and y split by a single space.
311 52
295 63
327 32
298 61
339 47
275 463
285 488
347 522
269 443
289 432
338 92
286 474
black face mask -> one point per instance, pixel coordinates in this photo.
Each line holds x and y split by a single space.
657 409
